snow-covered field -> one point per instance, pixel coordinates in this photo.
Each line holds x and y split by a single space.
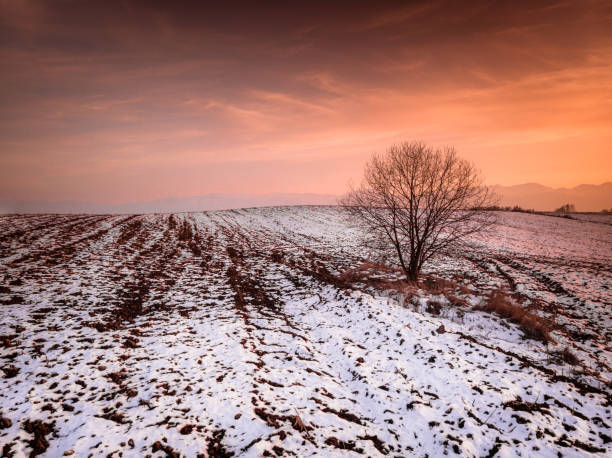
266 332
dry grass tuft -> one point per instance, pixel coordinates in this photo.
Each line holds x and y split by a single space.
533 326
436 285
456 301
569 357
449 288
364 273
566 356
434 307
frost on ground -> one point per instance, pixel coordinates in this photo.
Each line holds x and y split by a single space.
269 332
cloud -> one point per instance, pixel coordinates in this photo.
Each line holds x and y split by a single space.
98 90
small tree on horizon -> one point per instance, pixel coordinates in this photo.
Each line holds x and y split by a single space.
420 202
567 208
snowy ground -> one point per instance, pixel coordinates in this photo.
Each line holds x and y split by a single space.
244 333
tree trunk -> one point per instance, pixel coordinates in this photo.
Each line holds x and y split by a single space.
412 274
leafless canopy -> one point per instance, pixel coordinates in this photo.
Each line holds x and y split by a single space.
422 201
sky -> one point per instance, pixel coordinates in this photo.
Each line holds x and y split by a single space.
121 101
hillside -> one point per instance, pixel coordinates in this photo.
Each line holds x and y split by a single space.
586 197
270 332
204 202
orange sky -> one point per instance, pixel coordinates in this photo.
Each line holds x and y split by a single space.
145 100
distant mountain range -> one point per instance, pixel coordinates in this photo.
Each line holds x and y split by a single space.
585 197
171 205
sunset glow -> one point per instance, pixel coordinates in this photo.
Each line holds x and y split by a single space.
117 102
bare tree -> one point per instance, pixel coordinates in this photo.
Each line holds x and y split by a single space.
422 201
